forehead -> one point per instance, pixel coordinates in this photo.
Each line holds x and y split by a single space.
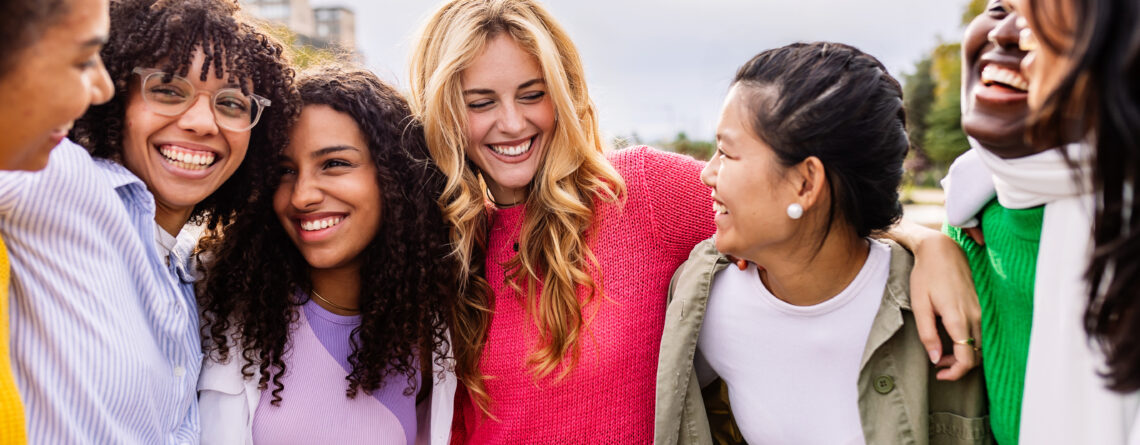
502 60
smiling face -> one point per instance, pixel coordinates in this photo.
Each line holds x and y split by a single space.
329 198
510 119
749 189
994 89
1044 65
51 84
182 159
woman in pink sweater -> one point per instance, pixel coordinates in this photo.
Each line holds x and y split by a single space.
568 249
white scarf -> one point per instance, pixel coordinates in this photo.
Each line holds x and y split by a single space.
1065 400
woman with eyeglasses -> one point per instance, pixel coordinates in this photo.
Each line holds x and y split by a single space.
50 72
1084 96
106 326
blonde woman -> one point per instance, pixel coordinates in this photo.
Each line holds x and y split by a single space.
568 249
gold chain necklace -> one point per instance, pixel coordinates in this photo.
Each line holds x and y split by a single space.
334 305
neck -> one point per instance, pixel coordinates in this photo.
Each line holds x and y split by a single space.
341 286
171 220
505 197
800 275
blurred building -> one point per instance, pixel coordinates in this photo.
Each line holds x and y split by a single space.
324 27
336 25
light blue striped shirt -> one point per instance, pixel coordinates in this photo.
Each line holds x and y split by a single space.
105 341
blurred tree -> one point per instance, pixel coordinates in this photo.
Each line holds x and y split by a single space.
943 139
702 150
301 53
974 8
918 97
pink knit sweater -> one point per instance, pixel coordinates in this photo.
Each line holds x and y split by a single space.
608 397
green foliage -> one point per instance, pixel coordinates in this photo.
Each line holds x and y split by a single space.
943 139
918 98
702 150
974 8
300 53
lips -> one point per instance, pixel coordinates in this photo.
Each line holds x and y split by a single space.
998 75
317 226
187 158
514 148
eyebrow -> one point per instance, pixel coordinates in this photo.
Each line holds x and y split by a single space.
95 41
334 149
524 85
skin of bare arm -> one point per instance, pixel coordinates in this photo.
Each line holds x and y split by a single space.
941 286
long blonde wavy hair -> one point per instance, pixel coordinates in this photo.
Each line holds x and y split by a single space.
572 178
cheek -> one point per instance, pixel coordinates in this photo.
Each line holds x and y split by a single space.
281 198
478 124
544 119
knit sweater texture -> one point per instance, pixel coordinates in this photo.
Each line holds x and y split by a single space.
608 397
1004 273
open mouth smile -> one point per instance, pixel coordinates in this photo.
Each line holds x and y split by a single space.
513 150
1000 76
186 158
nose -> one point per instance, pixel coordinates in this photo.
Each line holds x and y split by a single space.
306 193
1005 34
708 174
199 118
511 120
101 87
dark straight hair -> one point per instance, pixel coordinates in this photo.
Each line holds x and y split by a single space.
1100 96
834 102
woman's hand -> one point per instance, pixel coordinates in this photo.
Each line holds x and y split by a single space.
941 285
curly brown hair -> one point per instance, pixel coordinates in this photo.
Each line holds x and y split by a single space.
407 278
166 34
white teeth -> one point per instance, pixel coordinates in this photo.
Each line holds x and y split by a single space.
1006 76
325 223
719 208
512 150
182 158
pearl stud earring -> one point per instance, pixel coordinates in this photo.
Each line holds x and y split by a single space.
795 210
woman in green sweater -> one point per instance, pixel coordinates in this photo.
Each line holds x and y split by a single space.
1004 260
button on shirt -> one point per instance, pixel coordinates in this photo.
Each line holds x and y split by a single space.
105 341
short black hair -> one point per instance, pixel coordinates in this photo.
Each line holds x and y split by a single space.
834 102
23 22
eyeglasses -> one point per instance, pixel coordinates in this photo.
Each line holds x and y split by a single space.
171 95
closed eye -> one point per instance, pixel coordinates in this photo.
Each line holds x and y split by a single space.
336 163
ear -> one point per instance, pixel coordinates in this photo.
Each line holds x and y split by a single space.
810 181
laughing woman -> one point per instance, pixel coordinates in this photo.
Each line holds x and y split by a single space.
816 341
324 300
567 248
107 341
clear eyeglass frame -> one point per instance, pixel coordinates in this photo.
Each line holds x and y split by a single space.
256 104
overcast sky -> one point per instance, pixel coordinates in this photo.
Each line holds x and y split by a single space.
655 68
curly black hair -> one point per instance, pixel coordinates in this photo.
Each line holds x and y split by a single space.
408 279
166 34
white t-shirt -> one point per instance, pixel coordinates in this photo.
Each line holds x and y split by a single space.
792 371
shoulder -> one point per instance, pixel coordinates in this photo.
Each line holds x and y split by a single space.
898 274
698 270
640 158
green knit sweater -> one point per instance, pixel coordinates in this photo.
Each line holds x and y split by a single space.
1004 271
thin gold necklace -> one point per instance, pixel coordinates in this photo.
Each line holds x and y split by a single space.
334 305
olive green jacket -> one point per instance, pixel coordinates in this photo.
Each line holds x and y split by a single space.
900 401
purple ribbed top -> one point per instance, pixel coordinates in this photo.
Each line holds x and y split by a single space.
314 408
